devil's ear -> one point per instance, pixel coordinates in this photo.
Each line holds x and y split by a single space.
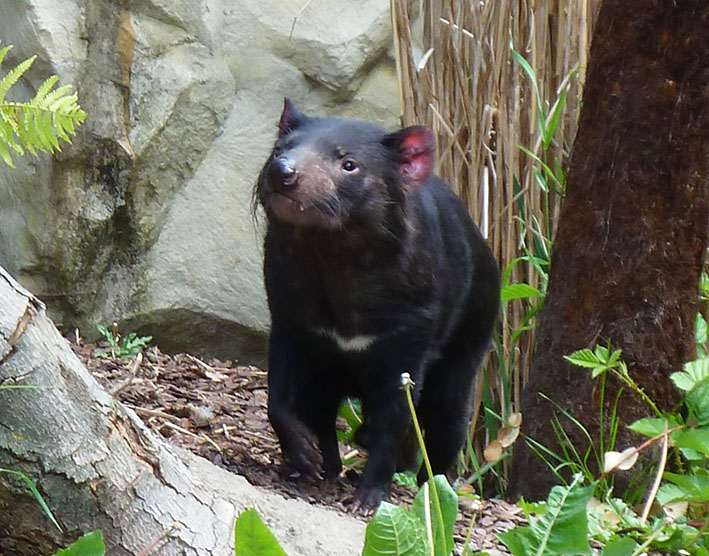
291 118
414 149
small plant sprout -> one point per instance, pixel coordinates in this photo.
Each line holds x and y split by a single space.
126 347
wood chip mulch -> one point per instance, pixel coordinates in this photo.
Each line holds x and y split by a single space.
217 409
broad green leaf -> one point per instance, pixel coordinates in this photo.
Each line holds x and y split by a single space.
566 524
448 499
697 401
669 493
518 291
90 544
253 538
394 531
519 541
696 486
619 546
694 439
562 529
694 372
652 426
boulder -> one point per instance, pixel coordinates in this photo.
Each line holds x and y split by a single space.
146 219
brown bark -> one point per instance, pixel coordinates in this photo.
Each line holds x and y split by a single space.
633 230
99 467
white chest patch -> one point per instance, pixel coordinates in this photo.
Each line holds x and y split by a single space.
353 343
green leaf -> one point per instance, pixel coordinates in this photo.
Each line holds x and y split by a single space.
566 523
395 531
541 181
619 546
5 153
406 478
43 90
562 529
519 541
253 538
695 487
559 175
557 110
694 439
13 76
694 372
36 125
671 493
34 491
583 358
701 330
533 78
3 52
602 353
652 426
518 291
697 401
448 499
614 358
90 544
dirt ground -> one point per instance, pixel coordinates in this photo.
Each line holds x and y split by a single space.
217 409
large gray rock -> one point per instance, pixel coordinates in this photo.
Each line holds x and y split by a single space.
146 219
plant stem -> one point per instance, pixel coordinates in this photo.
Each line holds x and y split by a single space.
408 383
658 477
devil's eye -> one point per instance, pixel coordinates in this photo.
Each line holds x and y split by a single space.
349 166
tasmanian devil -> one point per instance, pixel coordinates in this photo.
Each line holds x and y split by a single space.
372 268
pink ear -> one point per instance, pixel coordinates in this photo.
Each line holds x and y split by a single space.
416 147
291 118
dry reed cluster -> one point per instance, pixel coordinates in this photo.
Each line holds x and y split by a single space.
457 74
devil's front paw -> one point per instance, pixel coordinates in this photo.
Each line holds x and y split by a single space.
301 451
367 499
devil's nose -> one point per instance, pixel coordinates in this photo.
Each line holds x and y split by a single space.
283 171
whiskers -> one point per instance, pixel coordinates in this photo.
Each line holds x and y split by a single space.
330 207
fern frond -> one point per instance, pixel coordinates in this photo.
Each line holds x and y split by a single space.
43 90
3 52
13 76
36 125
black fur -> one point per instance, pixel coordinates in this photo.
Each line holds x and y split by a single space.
365 245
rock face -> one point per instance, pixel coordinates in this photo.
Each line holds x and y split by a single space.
146 218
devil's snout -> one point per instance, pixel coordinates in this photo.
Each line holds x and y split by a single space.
282 172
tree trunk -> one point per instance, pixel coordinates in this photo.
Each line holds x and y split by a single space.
633 229
99 467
